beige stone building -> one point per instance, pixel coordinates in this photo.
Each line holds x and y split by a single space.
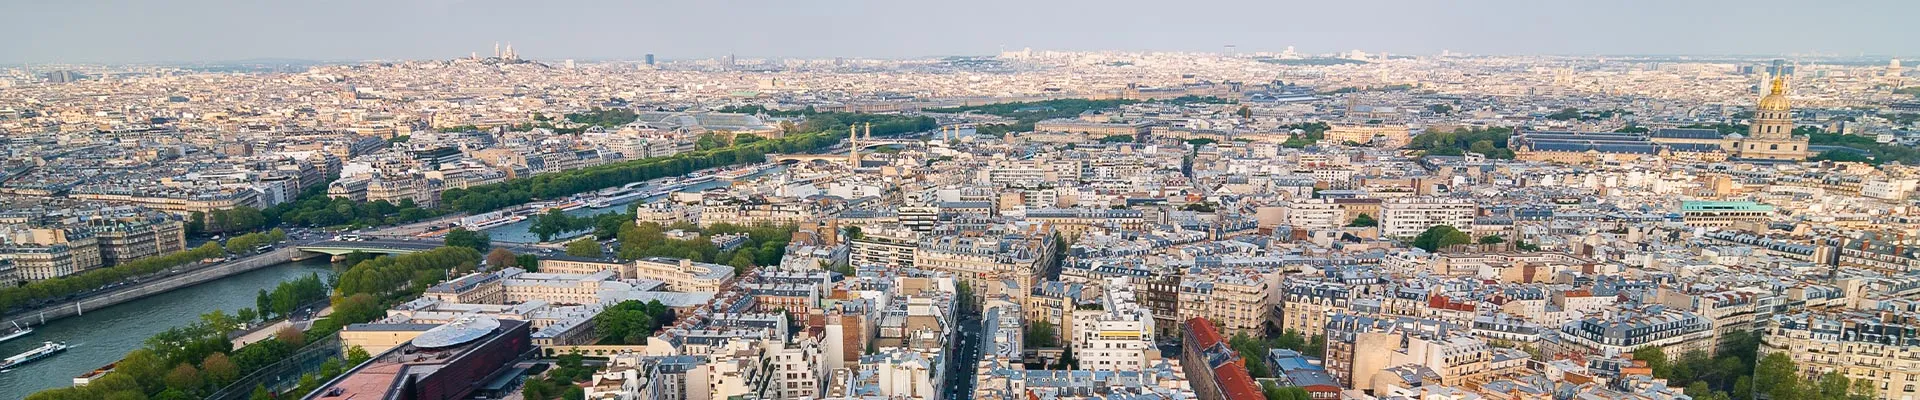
1881 348
473 288
47 253
1377 135
683 275
1238 301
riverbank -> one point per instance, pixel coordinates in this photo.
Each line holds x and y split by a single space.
104 335
136 291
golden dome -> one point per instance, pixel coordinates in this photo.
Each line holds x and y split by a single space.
1776 98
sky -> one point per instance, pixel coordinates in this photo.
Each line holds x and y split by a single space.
123 31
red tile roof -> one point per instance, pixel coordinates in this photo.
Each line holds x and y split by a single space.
1236 383
1203 333
1232 377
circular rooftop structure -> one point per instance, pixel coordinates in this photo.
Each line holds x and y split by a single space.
458 332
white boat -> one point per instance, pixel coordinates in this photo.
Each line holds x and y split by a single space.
46 349
611 199
741 172
16 333
495 222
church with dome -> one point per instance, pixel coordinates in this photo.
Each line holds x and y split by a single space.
1771 135
1769 139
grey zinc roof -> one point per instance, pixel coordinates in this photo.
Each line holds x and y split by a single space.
1686 133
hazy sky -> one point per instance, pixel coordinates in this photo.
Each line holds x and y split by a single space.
42 31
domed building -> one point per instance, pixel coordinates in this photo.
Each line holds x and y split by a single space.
1771 136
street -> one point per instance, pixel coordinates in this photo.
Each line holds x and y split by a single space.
966 358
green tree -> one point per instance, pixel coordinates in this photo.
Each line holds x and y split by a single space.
1459 141
528 262
554 222
184 378
631 322
1492 239
219 370
1833 385
1655 358
585 247
1067 362
196 223
501 258
264 302
1041 334
1440 237
357 355
1244 112
1863 390
709 141
1253 351
1482 147
1777 378
1363 220
260 393
461 237
741 262
1842 155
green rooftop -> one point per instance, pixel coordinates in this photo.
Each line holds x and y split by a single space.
1702 205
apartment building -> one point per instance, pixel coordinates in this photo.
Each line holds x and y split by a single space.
126 238
47 253
182 202
1305 304
683 275
1316 214
1239 300
1074 221
1360 346
1674 331
883 245
1215 370
472 288
1408 217
1118 336
977 261
1879 347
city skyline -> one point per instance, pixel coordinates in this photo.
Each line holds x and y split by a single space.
980 200
205 31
